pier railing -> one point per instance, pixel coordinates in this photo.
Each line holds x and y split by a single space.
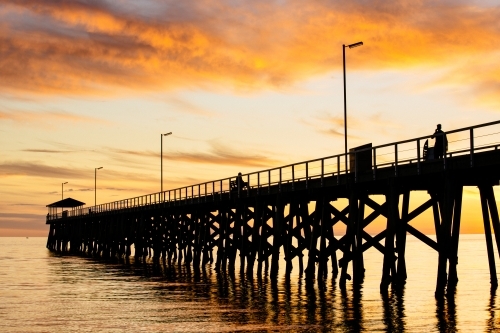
463 141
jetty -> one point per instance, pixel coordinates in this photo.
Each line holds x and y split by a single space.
249 221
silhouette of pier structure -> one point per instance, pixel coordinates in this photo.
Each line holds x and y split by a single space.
289 211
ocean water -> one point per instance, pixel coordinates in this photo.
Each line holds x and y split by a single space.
45 292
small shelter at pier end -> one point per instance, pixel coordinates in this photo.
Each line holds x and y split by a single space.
65 203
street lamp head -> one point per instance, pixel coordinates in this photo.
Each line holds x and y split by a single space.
98 168
351 46
65 183
169 133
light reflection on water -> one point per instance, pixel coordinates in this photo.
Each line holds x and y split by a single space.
43 292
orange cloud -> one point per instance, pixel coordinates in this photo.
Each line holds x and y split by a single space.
100 47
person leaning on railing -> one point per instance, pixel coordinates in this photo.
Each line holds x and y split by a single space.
441 144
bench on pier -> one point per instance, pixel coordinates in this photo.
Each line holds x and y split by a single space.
233 185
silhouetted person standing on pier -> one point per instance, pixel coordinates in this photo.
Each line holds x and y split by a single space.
441 145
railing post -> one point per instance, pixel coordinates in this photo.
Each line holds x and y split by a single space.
345 166
356 166
280 181
293 177
471 147
307 175
338 169
258 183
268 181
444 152
418 157
248 185
396 159
322 170
374 163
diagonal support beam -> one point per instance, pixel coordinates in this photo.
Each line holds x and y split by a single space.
373 241
426 205
423 238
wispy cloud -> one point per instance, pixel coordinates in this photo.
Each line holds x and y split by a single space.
47 118
217 154
78 190
333 125
139 153
184 106
52 151
103 47
35 169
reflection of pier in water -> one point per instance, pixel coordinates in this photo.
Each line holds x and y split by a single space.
291 209
211 299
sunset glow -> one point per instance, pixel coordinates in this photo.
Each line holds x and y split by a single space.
243 86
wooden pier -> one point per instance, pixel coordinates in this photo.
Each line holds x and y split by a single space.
288 211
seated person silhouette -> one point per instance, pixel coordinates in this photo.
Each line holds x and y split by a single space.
238 183
441 144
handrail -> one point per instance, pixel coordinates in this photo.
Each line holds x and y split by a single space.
327 166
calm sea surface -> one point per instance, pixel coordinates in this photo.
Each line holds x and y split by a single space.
44 292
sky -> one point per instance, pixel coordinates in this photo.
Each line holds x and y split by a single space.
242 85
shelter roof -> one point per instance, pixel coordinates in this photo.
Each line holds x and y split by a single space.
67 203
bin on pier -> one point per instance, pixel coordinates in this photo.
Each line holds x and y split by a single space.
360 158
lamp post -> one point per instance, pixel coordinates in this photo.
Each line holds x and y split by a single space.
95 185
161 159
345 100
62 190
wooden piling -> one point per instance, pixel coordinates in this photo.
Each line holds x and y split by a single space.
392 198
455 234
358 262
489 241
277 236
401 240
